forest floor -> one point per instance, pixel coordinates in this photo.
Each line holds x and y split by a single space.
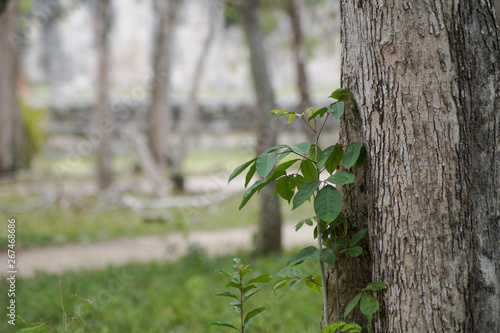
170 247
165 247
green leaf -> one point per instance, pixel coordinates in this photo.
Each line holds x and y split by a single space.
333 327
369 304
264 278
280 284
250 174
285 165
283 154
339 243
328 203
314 285
250 294
361 158
291 118
299 258
354 108
376 285
357 237
308 170
278 113
355 251
251 191
330 157
275 148
352 304
223 324
337 109
240 169
233 284
285 187
318 113
227 294
340 94
265 163
351 155
223 272
304 193
301 223
38 328
341 178
251 315
334 159
248 287
327 256
301 148
290 272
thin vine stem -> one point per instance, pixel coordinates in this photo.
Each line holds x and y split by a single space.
324 290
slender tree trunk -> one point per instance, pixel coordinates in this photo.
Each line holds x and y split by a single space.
298 53
190 114
11 127
269 237
3 5
102 111
159 120
426 77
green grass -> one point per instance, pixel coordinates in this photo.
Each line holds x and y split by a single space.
79 224
166 297
76 224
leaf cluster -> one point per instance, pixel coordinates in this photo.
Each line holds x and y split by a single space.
245 290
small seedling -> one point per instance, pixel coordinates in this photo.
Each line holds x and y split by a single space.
245 290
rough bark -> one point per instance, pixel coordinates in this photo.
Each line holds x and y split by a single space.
159 119
426 77
269 235
189 115
11 130
102 109
497 9
293 12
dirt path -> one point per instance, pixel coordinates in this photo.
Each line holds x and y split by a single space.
77 257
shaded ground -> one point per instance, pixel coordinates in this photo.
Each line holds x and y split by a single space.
76 257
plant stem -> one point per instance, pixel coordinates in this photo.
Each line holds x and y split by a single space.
324 290
241 301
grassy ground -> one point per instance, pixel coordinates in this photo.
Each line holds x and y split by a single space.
60 226
173 297
85 220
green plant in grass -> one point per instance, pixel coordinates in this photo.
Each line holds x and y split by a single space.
245 290
313 174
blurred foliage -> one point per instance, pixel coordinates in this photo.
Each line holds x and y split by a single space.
230 16
33 130
156 297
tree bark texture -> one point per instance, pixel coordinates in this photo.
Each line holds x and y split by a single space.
497 9
102 111
426 78
159 119
11 128
269 236
190 114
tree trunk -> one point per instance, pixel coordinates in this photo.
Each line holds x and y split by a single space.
269 236
190 114
426 77
159 120
298 54
11 127
102 111
497 9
